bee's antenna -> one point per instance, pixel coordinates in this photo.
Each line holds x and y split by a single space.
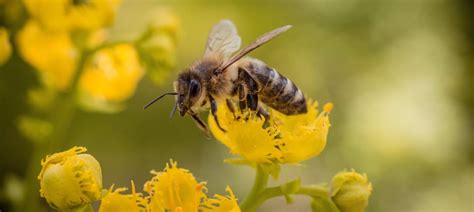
158 98
174 110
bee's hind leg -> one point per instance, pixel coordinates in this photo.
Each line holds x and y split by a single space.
242 97
214 112
252 88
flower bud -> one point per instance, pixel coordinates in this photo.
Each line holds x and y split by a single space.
70 179
157 45
350 191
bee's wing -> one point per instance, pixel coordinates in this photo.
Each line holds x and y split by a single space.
257 43
223 39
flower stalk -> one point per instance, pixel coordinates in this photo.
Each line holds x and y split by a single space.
261 193
61 119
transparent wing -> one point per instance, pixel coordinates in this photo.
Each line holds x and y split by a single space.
223 39
257 43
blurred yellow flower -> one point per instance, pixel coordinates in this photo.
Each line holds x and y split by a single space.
221 203
285 139
52 54
246 136
64 15
5 47
112 74
70 179
114 201
350 191
174 189
303 136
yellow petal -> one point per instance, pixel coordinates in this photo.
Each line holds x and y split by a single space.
303 136
114 201
246 135
174 189
221 203
112 74
52 54
64 15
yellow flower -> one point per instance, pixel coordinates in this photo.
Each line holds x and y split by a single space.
5 47
64 15
350 191
245 135
221 203
70 179
174 189
52 54
284 139
303 136
112 74
114 201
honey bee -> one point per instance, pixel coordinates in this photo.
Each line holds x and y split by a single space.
222 75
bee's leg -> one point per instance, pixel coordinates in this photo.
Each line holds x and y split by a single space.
242 98
231 107
252 101
263 112
201 124
252 88
214 112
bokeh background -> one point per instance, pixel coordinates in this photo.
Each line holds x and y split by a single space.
400 74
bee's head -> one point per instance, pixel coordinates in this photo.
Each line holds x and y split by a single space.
189 90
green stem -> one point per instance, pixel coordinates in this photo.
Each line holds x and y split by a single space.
261 180
61 119
315 192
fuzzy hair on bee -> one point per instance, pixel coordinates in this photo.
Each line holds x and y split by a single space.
224 76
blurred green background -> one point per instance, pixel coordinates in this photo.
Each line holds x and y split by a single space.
399 72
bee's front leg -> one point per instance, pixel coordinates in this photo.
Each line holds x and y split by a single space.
200 123
214 112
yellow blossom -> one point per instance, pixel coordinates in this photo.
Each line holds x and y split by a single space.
5 47
246 136
70 179
284 139
112 74
174 189
221 203
114 201
52 54
350 191
64 15
303 136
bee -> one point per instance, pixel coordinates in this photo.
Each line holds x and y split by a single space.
222 75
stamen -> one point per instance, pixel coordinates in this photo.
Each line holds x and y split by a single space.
328 107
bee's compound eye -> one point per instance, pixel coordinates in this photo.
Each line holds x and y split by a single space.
194 88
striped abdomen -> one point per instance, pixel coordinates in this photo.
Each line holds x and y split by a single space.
275 90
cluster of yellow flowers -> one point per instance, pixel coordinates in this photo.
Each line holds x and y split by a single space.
73 179
67 43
